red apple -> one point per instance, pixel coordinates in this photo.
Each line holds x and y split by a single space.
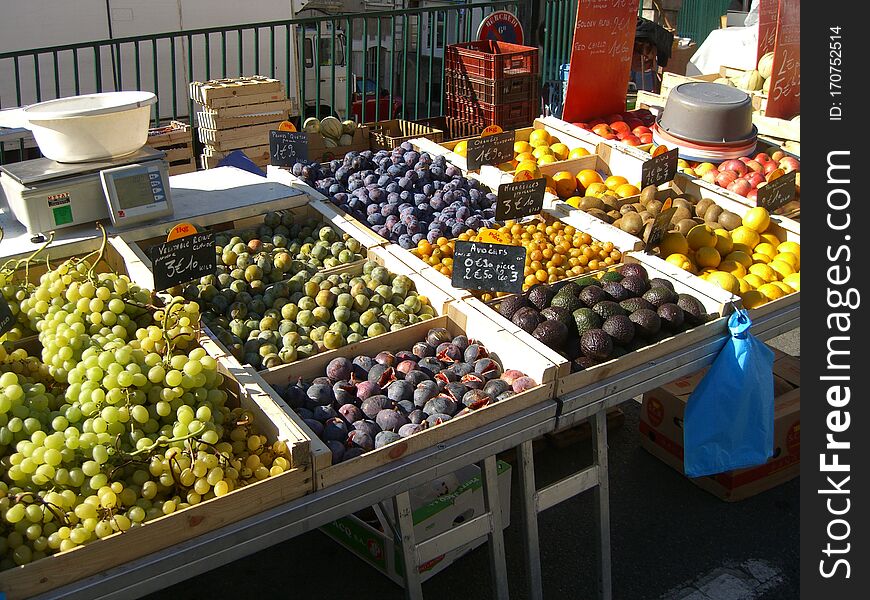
739 186
620 127
789 164
778 155
646 138
763 157
744 159
710 176
734 165
641 129
754 178
753 195
755 166
631 140
769 167
723 178
602 130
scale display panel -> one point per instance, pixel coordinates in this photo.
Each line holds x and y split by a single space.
136 192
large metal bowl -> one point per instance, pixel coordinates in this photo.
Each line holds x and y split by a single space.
708 113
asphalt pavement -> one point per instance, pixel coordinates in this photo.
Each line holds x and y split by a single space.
670 541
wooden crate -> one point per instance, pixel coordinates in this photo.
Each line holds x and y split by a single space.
176 141
568 382
96 557
459 319
241 137
250 90
392 134
209 120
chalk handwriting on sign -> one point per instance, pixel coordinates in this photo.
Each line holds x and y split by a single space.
784 97
778 192
488 267
660 169
520 199
490 150
7 319
287 147
183 260
660 228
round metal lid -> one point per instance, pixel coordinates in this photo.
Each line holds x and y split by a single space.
711 113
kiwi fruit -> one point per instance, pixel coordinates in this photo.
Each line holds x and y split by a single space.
614 214
684 226
680 214
645 215
588 203
627 208
654 207
711 215
729 220
631 223
702 206
598 214
648 194
715 225
683 203
611 202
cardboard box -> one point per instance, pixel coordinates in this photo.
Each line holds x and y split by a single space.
661 432
376 545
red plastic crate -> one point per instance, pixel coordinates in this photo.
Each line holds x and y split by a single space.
492 60
513 89
507 116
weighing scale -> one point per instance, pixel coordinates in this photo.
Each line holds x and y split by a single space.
45 195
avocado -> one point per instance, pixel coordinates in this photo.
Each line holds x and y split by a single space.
540 296
633 304
620 328
573 287
693 310
658 296
592 295
527 318
586 319
582 363
658 282
596 344
672 317
646 322
636 286
608 308
612 276
583 282
551 333
557 313
616 292
510 305
566 300
634 270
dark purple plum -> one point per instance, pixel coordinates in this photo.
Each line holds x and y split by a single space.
390 419
337 448
324 413
316 426
321 394
304 413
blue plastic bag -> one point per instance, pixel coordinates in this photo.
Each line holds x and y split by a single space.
728 423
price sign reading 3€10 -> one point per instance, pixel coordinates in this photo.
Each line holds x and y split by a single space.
183 259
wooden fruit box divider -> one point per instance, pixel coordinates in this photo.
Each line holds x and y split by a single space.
235 87
459 319
98 556
568 382
208 120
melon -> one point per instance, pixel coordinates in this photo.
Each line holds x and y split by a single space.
311 125
348 127
766 87
765 65
328 142
345 140
724 81
750 81
330 127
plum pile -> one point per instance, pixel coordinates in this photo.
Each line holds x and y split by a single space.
365 403
403 195
289 320
591 320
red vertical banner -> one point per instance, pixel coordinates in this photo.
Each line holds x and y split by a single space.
600 59
767 11
784 97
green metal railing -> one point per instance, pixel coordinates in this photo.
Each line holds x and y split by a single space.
406 39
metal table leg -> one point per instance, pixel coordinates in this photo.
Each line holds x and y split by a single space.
492 505
529 500
602 502
405 524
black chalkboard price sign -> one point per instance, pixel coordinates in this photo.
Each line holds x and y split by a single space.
7 319
520 199
489 267
183 259
659 228
287 147
778 192
659 169
490 150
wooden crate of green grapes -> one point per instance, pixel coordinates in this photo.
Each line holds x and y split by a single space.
118 441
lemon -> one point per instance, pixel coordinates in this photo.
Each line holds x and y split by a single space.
701 236
724 280
754 280
539 137
753 299
546 159
744 287
560 151
707 257
461 148
682 261
520 147
792 247
542 151
574 201
673 242
740 257
782 268
783 286
770 238
761 258
790 258
777 231
596 189
578 153
793 281
745 235
732 266
737 247
764 271
724 245
757 219
771 291
765 248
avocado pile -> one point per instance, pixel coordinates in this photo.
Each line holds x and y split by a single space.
591 321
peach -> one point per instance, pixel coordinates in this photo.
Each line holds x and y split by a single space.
739 186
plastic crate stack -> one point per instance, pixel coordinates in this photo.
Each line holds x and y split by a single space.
491 83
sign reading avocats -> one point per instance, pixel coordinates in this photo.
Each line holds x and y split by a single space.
488 267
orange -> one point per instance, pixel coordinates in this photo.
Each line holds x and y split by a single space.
560 150
542 151
708 257
783 286
754 280
765 248
753 299
745 235
792 247
587 177
701 236
771 291
726 281
764 271
625 190
730 266
740 257
793 281
782 268
673 242
539 137
790 258
531 166
461 148
757 219
596 189
614 181
566 185
578 152
547 159
768 237
682 261
758 257
723 241
520 147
